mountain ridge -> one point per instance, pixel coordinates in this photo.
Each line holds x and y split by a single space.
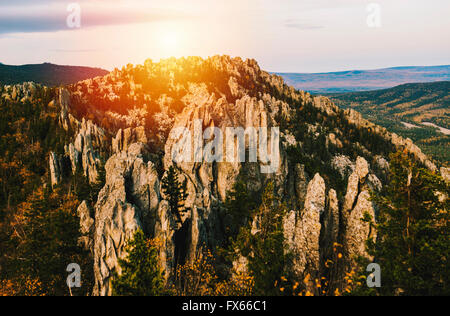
126 123
365 80
405 109
47 74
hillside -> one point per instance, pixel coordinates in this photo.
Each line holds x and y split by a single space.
102 154
407 110
47 74
365 80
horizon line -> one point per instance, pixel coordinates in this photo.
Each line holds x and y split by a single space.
271 72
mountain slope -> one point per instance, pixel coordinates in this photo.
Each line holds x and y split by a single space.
363 80
404 109
47 74
128 124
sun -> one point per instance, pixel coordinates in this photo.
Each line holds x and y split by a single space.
168 39
169 42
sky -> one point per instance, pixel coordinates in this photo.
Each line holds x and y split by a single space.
282 35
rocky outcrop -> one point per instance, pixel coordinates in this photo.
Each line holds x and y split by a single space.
330 227
302 232
21 92
343 165
358 231
128 202
300 184
245 97
84 152
125 138
56 168
357 206
86 226
445 172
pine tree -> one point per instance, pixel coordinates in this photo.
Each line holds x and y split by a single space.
50 242
176 192
99 183
414 231
264 249
141 274
240 204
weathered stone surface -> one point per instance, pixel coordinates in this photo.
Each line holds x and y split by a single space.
302 231
356 179
301 184
125 138
83 153
86 226
374 183
21 92
132 197
357 231
356 204
445 172
343 165
362 168
330 228
382 164
352 193
128 201
55 169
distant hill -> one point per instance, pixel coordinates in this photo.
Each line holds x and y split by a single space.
408 110
47 74
365 80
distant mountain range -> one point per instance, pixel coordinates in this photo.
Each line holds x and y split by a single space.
410 110
365 80
47 74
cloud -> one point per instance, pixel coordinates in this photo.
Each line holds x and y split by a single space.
75 50
49 16
301 26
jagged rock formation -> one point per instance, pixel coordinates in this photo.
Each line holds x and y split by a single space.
147 138
128 202
86 226
445 172
302 232
83 153
357 203
55 168
125 138
330 228
20 92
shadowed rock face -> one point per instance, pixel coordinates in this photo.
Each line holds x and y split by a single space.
128 202
241 96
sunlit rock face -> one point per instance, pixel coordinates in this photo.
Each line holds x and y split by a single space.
356 205
128 202
131 119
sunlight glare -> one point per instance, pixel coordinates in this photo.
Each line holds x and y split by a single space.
169 42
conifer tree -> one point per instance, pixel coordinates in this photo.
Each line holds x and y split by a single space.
50 242
141 274
265 248
414 231
176 192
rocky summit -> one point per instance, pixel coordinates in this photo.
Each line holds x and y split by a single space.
128 121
